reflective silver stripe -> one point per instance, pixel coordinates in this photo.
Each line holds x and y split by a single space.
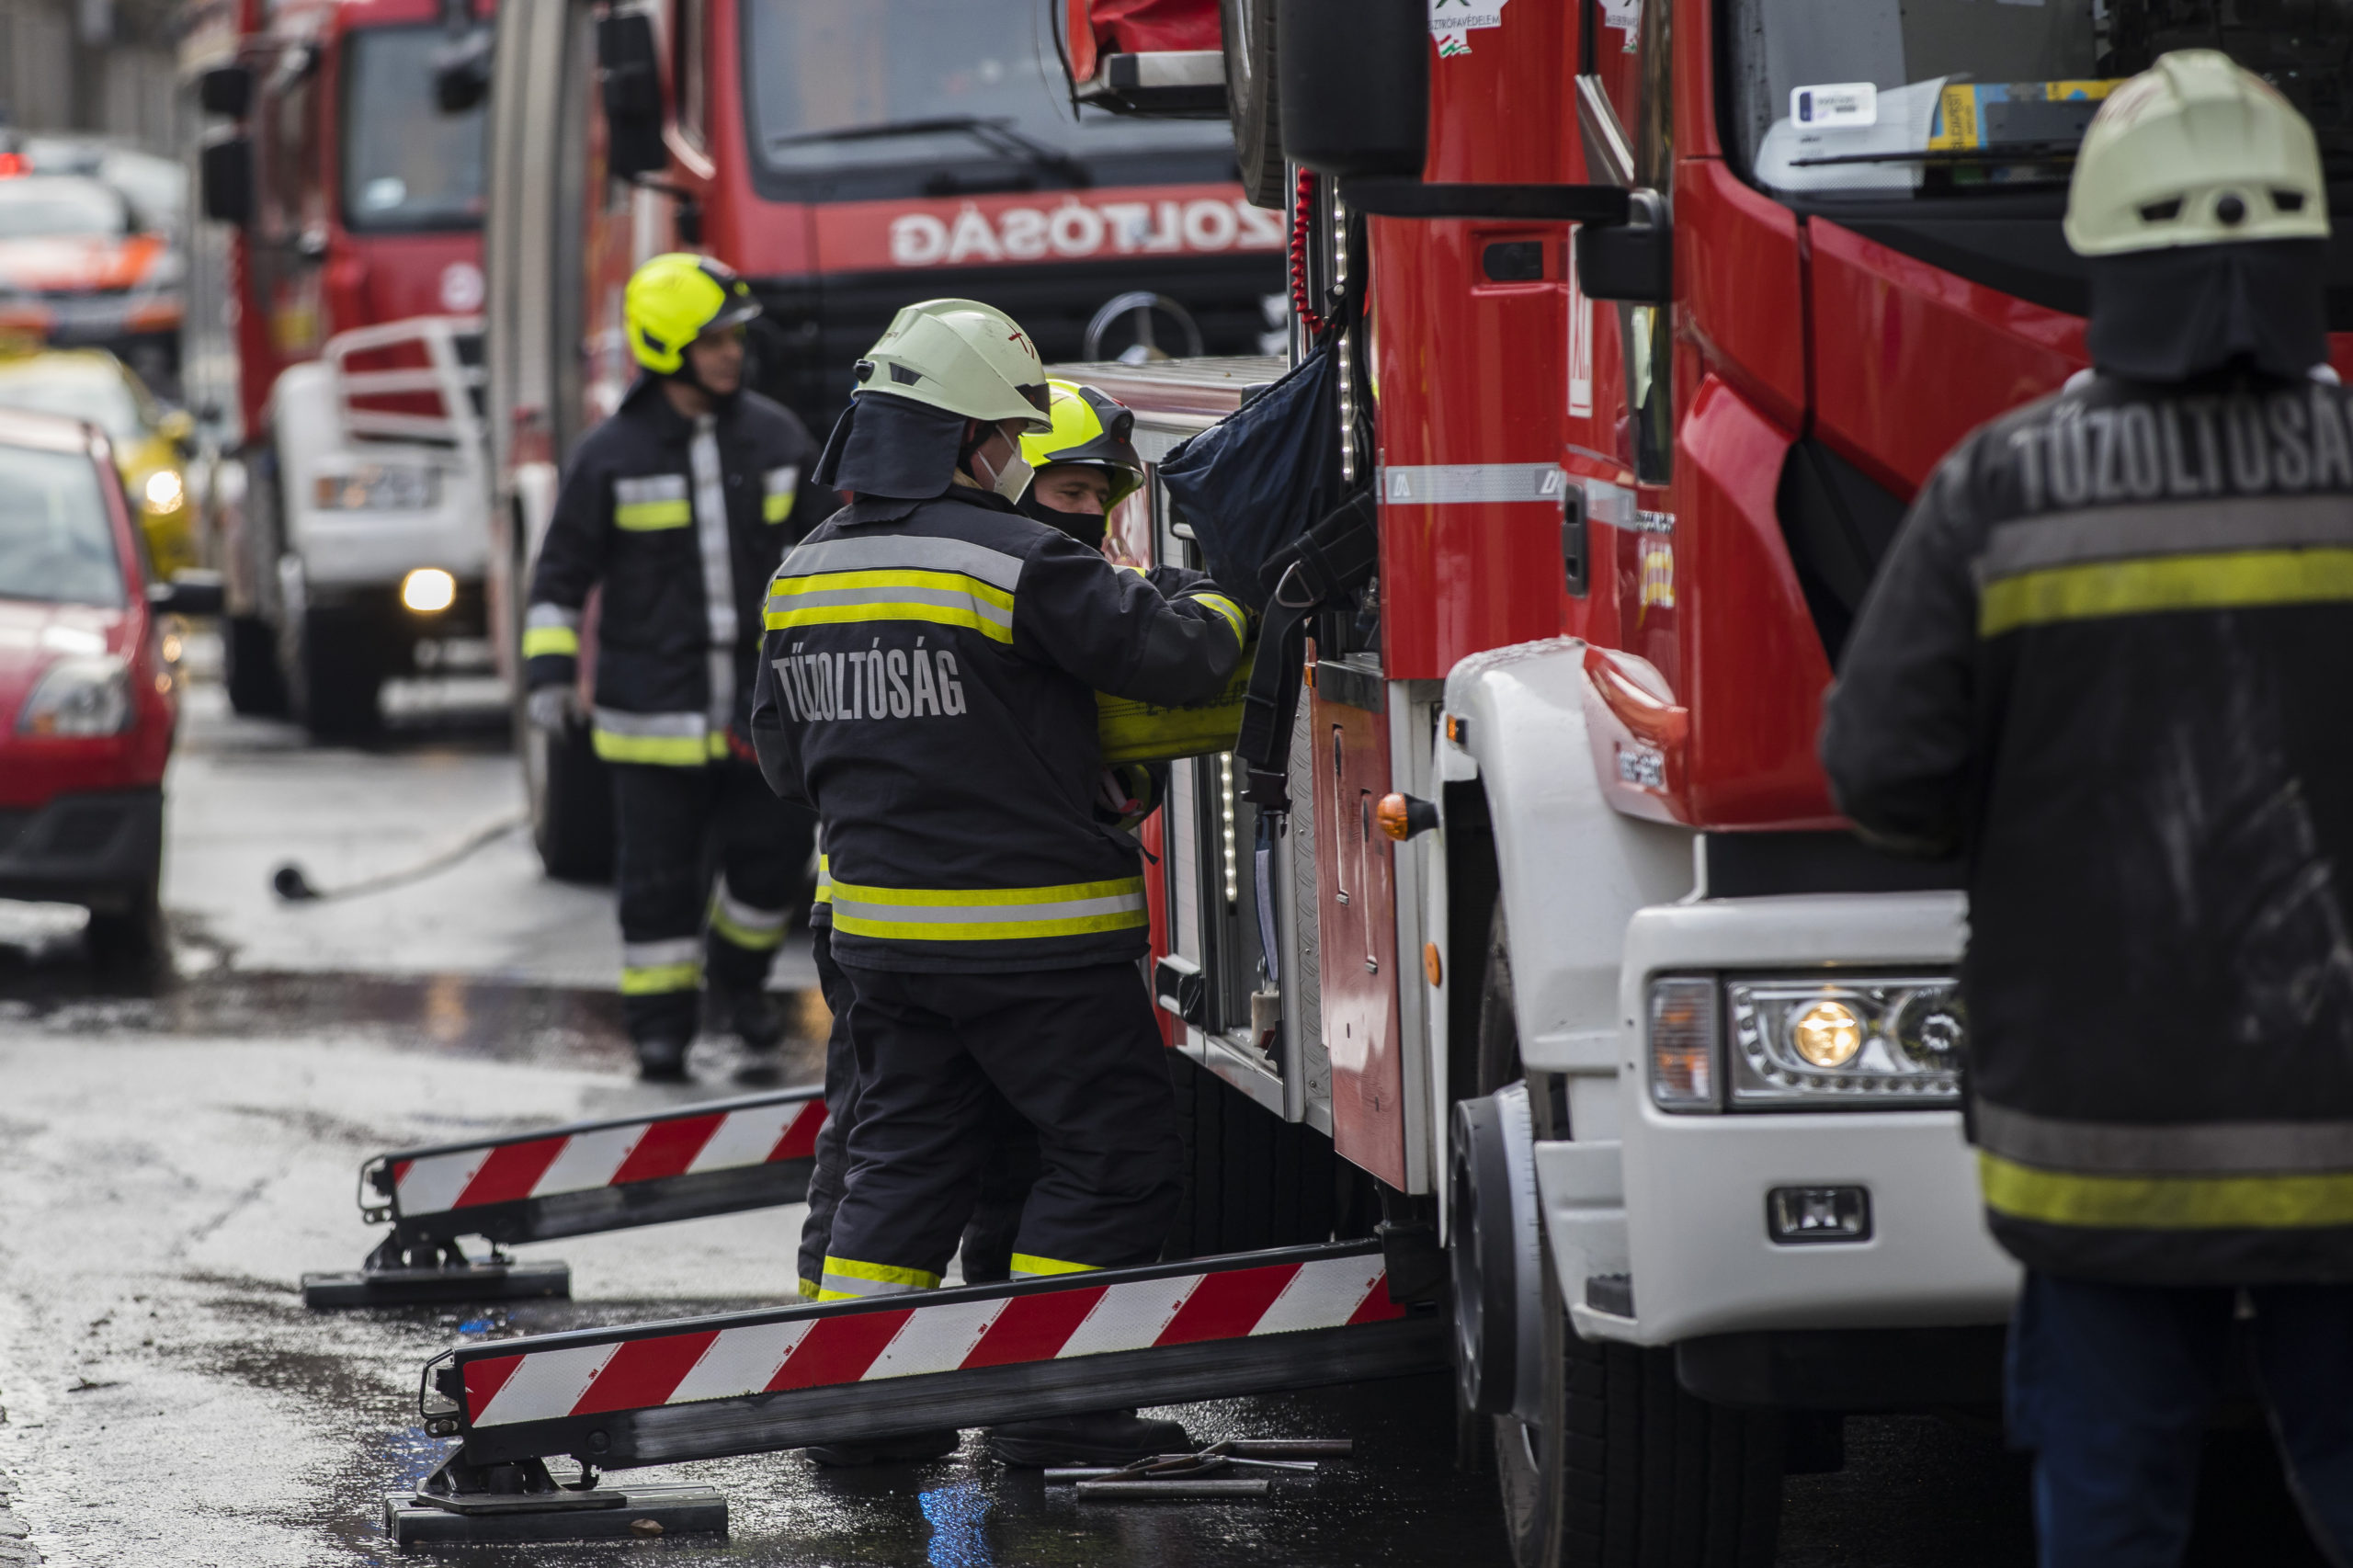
1456 484
718 566
948 598
985 913
2186 528
658 955
650 487
550 618
652 726
850 1285
2211 1148
782 480
906 552
738 913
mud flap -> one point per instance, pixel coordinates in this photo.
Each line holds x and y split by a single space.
685 1163
854 1371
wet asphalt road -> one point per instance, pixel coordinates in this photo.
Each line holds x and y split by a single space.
177 1147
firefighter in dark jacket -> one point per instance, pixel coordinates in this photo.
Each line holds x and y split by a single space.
2107 660
679 507
928 684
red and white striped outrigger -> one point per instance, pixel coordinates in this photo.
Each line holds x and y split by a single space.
680 1163
850 1372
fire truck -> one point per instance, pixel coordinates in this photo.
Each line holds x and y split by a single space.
847 160
352 179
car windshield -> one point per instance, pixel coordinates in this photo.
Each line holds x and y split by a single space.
74 390
49 207
944 82
56 541
406 164
1892 99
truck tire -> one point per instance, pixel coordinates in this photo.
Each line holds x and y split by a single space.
1623 1468
1251 1179
571 804
249 663
335 675
1251 96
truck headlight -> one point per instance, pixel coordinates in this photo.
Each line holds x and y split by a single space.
1876 1041
378 487
87 696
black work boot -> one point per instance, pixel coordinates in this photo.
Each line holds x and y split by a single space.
911 1448
751 1015
1098 1438
662 1059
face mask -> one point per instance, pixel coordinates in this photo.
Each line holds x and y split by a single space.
1087 528
1009 481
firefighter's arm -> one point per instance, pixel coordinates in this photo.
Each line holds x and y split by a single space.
1114 631
572 559
772 736
1896 736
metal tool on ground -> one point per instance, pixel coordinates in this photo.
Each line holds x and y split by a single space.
890 1365
1203 1474
680 1163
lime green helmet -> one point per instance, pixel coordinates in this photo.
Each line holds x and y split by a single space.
675 299
2195 150
961 355
1093 428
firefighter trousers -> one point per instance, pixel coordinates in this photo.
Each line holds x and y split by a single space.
1075 1052
1006 1176
711 864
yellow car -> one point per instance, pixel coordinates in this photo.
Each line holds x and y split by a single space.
150 440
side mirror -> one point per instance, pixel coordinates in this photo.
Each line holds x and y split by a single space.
224 173
1354 80
630 71
190 592
226 90
178 426
1632 263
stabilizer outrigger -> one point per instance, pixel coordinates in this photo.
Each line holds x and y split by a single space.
685 1163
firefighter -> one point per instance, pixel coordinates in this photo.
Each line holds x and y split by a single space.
928 684
2107 661
679 507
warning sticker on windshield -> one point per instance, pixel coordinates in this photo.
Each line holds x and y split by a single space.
1835 105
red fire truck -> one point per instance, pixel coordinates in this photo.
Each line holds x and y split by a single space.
847 160
356 288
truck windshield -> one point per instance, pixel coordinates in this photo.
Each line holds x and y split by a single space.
933 92
1897 98
406 165
56 541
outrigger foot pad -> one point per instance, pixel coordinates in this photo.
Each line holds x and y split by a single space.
466 1504
401 1273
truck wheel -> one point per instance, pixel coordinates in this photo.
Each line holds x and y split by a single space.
1623 1467
1251 1179
335 675
571 804
1251 96
249 660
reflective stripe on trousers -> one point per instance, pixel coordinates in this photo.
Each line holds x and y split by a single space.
662 739
650 969
848 1279
740 922
989 915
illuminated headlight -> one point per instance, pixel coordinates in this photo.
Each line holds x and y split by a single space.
428 590
88 696
1895 1040
164 492
380 487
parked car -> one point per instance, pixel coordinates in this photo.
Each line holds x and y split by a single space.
88 710
81 265
150 441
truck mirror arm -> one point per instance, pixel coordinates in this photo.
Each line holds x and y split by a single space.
1604 205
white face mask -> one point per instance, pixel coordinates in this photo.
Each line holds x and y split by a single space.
1009 481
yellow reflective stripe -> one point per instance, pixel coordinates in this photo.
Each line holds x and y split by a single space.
1023 1263
938 615
2166 1203
1232 611
776 507
652 980
645 516
2248 579
541 640
811 1290
784 591
945 599
997 914
715 742
847 1279
825 880
661 750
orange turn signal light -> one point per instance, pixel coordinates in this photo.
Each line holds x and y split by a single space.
1403 816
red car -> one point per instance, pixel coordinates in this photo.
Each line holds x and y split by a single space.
86 706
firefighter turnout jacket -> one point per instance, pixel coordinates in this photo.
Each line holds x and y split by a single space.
928 683
681 521
2107 658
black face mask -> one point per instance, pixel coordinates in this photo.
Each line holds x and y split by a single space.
2172 314
1087 528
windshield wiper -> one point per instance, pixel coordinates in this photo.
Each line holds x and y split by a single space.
995 134
2008 153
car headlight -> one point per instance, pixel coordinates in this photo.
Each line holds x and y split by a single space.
378 487
1854 1042
164 492
85 696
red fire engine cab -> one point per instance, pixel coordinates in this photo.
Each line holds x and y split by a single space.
354 179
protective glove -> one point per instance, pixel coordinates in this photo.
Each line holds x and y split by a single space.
553 708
